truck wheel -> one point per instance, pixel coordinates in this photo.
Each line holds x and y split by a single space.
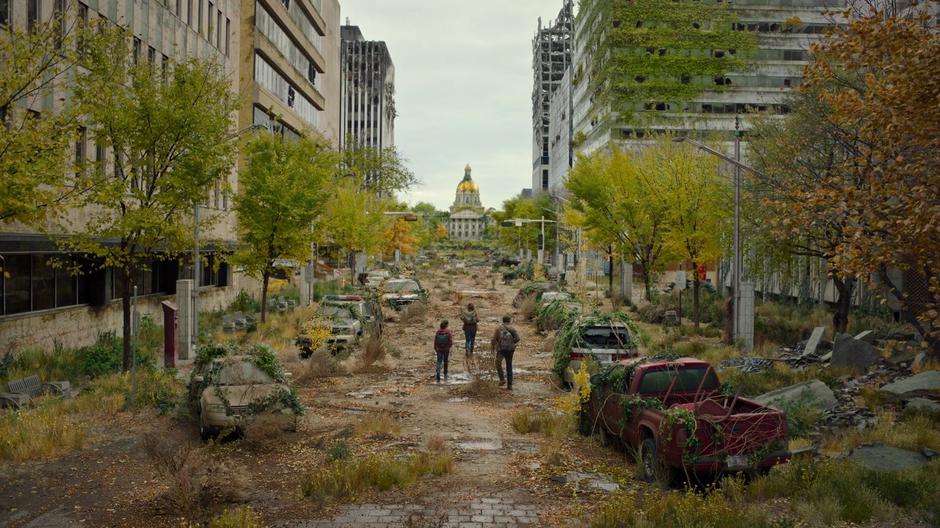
607 439
651 468
585 424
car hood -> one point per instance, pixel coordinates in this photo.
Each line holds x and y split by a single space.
346 324
241 395
400 296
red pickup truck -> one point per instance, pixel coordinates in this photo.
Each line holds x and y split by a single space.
673 415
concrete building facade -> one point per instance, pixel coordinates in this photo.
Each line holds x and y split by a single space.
467 216
551 59
785 30
560 129
42 306
367 92
290 66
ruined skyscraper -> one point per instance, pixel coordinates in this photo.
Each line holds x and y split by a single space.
551 58
367 116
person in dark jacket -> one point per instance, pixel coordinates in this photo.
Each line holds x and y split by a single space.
443 341
470 320
504 342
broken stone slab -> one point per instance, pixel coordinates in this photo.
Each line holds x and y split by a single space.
848 352
813 341
882 458
867 336
923 406
923 384
812 392
591 480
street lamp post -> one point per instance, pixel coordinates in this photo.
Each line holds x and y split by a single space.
737 263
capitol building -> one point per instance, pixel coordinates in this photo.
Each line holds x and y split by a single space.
468 218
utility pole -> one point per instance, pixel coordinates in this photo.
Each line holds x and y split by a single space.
196 276
736 266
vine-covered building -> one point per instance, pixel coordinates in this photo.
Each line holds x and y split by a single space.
467 216
730 60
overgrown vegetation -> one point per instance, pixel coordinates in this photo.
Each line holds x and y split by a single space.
571 335
344 478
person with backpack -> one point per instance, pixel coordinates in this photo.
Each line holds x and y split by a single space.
504 344
443 341
470 320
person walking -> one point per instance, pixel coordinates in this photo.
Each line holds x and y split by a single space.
504 342
470 320
443 341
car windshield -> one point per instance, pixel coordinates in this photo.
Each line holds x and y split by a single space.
688 379
606 337
402 286
336 311
242 373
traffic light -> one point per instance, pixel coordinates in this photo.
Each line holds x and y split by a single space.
507 223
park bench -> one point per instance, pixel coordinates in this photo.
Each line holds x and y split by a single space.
23 391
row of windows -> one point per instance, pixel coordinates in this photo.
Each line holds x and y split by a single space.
210 19
299 16
270 29
272 81
43 281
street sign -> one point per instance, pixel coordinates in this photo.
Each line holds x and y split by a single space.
680 280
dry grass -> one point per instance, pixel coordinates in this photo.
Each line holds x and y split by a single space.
194 479
915 432
373 350
413 313
345 478
436 443
482 385
528 307
380 426
322 364
242 517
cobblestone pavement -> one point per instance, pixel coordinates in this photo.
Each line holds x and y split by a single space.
500 512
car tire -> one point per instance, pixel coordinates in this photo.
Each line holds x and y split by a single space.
206 433
607 439
585 424
650 466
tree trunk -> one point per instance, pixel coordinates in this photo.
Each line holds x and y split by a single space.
695 291
728 337
264 294
647 287
840 318
610 276
126 312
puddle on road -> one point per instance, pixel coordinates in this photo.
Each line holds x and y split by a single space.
481 444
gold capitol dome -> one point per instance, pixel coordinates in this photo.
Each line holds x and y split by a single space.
467 184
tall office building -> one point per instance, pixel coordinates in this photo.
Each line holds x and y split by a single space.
367 114
42 305
551 58
784 31
290 66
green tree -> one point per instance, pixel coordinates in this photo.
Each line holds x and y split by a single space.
35 158
281 192
170 141
353 219
620 206
698 204
382 171
527 235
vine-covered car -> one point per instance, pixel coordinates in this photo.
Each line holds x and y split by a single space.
673 414
233 390
365 308
399 293
599 339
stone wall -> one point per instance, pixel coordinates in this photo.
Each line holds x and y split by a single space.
80 326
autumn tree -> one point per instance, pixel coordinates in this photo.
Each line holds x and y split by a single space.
36 163
806 163
169 141
878 76
619 205
697 202
399 235
281 192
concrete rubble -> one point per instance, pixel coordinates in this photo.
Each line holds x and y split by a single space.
882 458
848 352
588 480
923 384
812 392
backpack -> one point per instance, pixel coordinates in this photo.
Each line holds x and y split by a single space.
441 340
506 340
469 318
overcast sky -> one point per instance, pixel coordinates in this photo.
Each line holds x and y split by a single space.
463 80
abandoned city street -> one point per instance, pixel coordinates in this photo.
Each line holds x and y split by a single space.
489 264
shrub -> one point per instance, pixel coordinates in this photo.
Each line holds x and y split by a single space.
338 451
413 313
241 517
379 426
373 350
244 302
551 425
47 431
677 510
344 478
